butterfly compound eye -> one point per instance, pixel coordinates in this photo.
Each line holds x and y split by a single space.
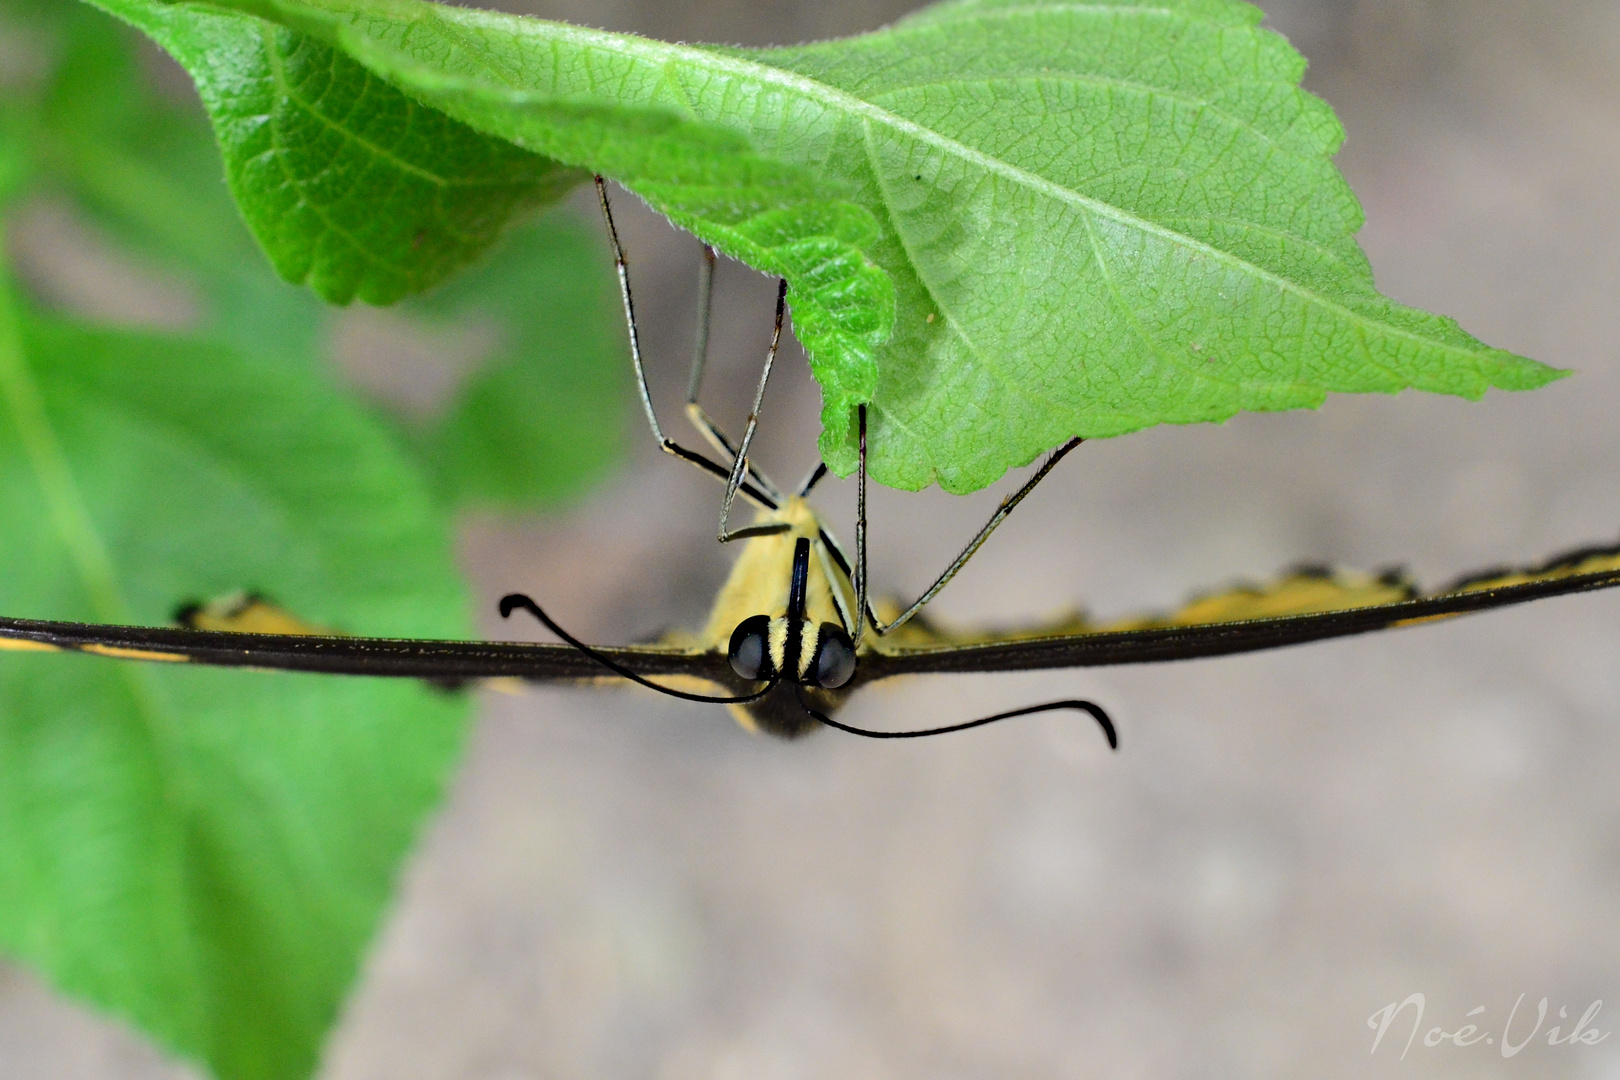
835 657
750 652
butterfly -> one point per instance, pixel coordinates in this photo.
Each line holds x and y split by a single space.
793 632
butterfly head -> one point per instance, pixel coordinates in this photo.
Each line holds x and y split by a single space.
791 645
813 654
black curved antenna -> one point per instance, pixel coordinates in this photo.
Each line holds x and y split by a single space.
512 601
1096 712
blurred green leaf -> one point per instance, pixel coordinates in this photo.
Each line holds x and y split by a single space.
543 418
15 163
207 852
23 65
350 186
146 172
1097 217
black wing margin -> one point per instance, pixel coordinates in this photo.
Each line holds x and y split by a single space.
439 661
1309 605
1227 623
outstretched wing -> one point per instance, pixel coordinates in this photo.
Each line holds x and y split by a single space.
1307 605
442 661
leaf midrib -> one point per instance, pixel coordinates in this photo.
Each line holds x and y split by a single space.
69 514
661 53
1112 82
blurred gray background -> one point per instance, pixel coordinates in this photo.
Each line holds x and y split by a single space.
627 886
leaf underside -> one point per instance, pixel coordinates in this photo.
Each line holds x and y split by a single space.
1005 223
350 186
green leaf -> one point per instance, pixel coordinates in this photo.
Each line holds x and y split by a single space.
147 172
537 423
774 216
543 419
16 164
350 186
162 199
206 852
1096 217
20 90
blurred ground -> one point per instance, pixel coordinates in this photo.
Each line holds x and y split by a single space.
625 886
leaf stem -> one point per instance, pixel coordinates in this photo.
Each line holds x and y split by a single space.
62 497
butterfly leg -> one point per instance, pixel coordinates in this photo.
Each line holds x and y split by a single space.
694 411
700 417
764 498
863 608
739 464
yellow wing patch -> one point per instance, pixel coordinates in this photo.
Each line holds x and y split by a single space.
1576 563
1302 592
1305 591
120 653
25 645
247 613
923 632
1589 561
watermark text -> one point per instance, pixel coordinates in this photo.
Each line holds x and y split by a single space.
1517 1030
